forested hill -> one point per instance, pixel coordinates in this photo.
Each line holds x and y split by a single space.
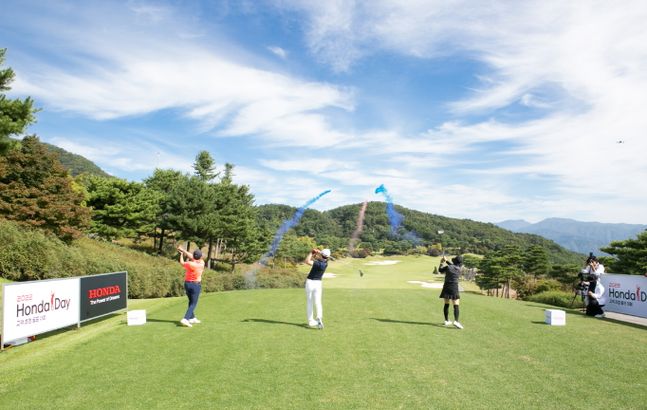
334 228
75 164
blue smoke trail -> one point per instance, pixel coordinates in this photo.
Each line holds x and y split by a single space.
287 225
395 219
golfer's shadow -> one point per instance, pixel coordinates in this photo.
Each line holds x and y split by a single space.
408 322
175 322
276 322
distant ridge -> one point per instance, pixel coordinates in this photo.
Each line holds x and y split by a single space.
514 225
74 163
578 236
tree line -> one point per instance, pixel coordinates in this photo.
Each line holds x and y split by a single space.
208 209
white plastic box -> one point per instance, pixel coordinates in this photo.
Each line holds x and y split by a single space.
555 317
136 317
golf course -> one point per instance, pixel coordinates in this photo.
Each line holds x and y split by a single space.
383 346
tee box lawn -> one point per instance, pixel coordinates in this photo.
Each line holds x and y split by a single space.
383 346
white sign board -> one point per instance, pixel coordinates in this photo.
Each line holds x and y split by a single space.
626 294
31 308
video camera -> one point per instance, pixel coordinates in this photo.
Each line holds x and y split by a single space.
582 285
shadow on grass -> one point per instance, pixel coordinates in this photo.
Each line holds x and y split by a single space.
46 335
606 319
276 322
175 322
408 322
617 321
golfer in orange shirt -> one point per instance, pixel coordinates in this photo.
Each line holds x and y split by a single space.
193 269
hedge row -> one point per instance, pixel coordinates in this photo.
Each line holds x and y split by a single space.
557 298
30 255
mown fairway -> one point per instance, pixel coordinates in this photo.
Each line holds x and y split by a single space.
383 347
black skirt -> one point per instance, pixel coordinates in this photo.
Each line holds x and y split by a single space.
450 292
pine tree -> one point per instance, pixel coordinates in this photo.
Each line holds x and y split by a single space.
229 173
16 114
188 208
631 255
120 208
205 167
536 261
236 222
501 268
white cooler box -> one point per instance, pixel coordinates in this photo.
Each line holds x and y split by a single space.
555 317
136 317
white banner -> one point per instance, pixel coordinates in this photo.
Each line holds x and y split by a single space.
626 294
31 308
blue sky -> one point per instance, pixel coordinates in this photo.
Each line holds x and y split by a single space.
468 109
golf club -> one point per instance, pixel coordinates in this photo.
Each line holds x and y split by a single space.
440 232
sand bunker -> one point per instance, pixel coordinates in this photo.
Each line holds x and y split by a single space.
381 263
329 275
433 285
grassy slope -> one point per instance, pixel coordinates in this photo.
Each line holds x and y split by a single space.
383 347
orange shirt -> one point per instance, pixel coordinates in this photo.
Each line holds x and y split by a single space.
193 270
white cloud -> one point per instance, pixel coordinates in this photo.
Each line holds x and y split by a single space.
580 65
278 51
278 189
133 69
150 12
321 166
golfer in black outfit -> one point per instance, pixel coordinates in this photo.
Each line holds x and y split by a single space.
450 292
319 262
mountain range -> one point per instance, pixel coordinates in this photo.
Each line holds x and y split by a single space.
578 236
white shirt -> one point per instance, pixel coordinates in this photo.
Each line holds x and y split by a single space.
599 293
588 270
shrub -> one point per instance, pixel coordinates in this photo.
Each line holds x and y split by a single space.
527 286
360 253
35 256
280 278
415 250
545 285
148 276
556 298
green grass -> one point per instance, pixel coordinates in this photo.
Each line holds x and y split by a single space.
383 347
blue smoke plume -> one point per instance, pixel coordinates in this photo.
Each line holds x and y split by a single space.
395 219
287 225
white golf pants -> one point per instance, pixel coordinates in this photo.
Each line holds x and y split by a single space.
313 297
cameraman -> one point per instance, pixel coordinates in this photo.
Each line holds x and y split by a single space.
595 297
592 267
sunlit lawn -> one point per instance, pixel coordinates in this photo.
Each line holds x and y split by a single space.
383 347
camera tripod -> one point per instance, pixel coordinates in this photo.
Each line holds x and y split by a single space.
580 289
